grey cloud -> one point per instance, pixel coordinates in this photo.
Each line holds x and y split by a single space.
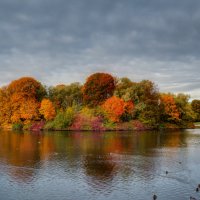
66 40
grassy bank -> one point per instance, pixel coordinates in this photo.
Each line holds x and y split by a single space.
197 124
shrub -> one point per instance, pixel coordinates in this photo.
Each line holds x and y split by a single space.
49 125
27 126
81 122
62 119
138 125
87 123
37 126
17 126
97 124
109 125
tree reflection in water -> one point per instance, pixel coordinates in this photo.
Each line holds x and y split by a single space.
101 156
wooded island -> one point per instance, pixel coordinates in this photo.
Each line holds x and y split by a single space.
102 103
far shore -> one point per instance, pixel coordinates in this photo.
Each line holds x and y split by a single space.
121 127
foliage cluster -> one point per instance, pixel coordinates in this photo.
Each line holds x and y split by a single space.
102 102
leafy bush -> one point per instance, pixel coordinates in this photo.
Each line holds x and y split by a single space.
81 122
87 123
37 126
49 125
109 125
138 125
17 126
62 119
27 126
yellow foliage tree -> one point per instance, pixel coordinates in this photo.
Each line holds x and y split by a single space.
47 109
23 109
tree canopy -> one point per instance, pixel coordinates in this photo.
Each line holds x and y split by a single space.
102 102
97 88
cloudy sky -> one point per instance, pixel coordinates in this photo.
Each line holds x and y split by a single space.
63 41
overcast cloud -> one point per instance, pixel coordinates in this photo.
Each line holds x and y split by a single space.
63 41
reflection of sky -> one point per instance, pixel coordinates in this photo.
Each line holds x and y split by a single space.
99 166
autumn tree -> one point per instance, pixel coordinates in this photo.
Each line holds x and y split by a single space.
196 108
144 91
116 108
27 87
24 96
170 112
128 111
24 109
47 109
5 107
98 88
196 105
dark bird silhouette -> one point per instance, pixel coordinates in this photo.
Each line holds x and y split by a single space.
154 197
166 172
197 189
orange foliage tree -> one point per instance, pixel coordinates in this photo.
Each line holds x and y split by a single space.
5 106
24 96
98 88
47 109
24 109
171 112
128 106
116 107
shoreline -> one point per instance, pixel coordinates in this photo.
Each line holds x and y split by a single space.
134 125
101 130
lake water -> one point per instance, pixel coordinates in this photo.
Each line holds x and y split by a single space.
98 166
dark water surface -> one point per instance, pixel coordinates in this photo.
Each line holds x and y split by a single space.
88 165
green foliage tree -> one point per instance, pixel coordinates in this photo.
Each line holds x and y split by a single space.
123 88
196 108
149 114
147 102
184 107
65 96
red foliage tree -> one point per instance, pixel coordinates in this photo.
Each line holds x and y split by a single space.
98 88
27 87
